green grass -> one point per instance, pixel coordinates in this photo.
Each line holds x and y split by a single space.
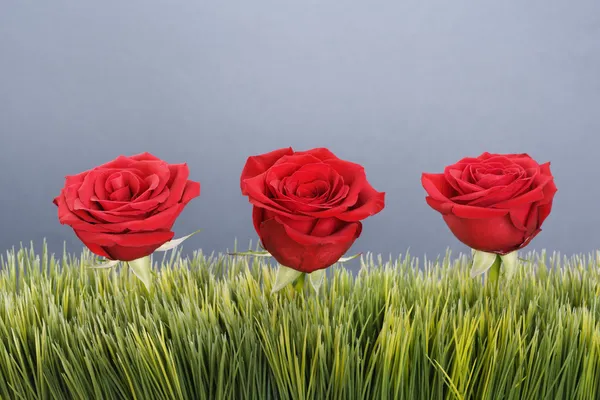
211 329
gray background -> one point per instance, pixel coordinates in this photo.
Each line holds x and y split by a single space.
399 86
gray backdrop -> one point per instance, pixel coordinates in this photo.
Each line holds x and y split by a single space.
399 86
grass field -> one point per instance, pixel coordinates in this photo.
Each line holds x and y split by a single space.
210 329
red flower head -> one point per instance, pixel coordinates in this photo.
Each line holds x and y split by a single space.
308 205
124 210
493 203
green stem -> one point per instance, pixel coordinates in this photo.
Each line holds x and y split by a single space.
299 283
494 272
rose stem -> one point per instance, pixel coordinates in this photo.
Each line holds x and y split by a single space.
299 283
494 272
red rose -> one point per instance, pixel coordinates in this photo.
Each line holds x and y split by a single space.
307 205
494 203
124 210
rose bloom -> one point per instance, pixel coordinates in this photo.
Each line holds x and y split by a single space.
125 209
494 203
308 205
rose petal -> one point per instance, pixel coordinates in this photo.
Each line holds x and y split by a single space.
467 174
191 191
344 234
340 195
177 183
493 196
470 212
75 179
311 173
525 242
492 235
370 202
122 194
277 173
125 247
257 218
120 162
299 207
437 186
532 220
545 169
145 157
443 207
115 181
139 204
519 216
125 253
93 247
104 217
160 221
305 258
304 226
257 165
354 176
85 191
299 179
461 186
524 160
255 189
152 202
545 205
311 190
493 180
531 196
325 227
321 153
469 197
118 206
337 186
279 210
158 169
298 159
67 216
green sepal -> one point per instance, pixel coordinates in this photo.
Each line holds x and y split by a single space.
284 277
316 279
482 261
108 264
349 258
176 242
510 262
142 268
251 253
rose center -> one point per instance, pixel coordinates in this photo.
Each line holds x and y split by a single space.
495 171
122 186
311 190
492 177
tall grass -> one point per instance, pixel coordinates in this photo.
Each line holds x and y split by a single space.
210 329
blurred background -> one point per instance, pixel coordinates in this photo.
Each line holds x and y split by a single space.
401 87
